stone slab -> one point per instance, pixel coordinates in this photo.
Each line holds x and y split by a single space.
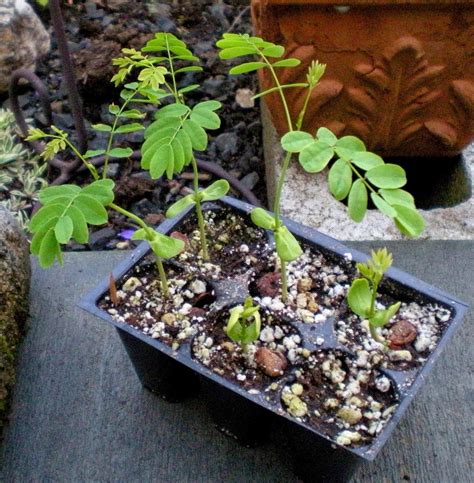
306 199
80 414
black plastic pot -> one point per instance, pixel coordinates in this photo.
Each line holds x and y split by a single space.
175 374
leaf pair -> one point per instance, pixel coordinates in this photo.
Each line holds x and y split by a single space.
172 46
359 299
213 192
66 213
239 45
162 245
244 323
287 245
176 132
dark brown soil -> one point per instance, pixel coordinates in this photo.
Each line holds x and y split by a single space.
213 348
235 245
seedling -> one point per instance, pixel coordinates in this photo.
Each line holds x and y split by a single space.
68 210
362 294
178 129
170 141
244 324
383 181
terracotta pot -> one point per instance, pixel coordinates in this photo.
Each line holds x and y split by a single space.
400 73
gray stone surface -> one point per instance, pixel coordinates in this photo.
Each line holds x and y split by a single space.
306 199
80 414
23 39
14 288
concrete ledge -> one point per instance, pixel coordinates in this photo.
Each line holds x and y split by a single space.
306 199
79 412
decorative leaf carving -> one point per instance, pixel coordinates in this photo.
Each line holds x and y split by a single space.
395 93
463 90
443 131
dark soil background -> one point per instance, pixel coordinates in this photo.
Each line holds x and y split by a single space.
96 31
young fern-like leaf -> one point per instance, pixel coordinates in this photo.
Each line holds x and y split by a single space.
66 213
383 181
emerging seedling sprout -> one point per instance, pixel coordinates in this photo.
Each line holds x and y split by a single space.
244 324
362 294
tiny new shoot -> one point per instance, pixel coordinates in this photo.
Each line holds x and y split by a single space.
315 152
244 324
362 294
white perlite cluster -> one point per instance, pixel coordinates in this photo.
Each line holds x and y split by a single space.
428 320
306 274
358 413
169 320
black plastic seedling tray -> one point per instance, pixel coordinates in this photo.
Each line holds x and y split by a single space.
174 374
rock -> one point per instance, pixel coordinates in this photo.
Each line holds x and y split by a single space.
98 239
268 285
14 288
250 180
23 39
214 86
227 144
243 97
401 334
350 415
305 284
198 287
131 284
273 363
168 318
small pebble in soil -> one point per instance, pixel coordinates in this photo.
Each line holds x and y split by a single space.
272 362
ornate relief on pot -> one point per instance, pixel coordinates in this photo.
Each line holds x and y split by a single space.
402 95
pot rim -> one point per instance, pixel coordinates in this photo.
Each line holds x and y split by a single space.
312 237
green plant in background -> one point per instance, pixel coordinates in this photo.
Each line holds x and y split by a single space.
362 294
244 324
68 210
355 171
178 129
21 174
170 141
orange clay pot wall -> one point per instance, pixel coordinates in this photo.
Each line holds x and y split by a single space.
400 74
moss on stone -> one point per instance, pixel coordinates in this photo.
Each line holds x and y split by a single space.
14 288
